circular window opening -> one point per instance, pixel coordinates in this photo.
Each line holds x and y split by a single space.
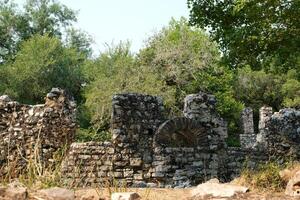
181 132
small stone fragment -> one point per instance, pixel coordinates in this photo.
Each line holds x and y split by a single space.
293 186
125 196
215 189
57 194
16 193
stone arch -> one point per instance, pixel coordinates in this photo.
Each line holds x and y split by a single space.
181 132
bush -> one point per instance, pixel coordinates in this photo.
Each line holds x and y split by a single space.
42 63
258 88
265 178
291 92
86 135
178 53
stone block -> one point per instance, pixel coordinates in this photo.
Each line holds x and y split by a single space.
136 162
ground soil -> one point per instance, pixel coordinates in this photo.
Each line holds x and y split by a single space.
178 194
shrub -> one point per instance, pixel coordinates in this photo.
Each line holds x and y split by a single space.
265 178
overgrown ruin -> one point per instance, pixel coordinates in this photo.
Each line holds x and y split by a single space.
147 149
34 134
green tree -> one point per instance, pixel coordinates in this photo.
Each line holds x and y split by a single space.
79 40
188 61
12 27
115 71
258 88
38 17
259 33
291 91
42 63
178 52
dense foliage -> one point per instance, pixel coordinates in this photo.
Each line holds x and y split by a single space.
249 58
38 17
115 71
40 64
261 33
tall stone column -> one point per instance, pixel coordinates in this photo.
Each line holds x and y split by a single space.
247 137
265 114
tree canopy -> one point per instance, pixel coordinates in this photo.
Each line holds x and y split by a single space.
259 33
42 63
38 17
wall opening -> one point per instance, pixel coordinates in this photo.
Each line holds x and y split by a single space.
181 132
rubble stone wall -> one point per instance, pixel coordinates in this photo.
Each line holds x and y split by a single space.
35 133
282 134
147 148
98 163
138 157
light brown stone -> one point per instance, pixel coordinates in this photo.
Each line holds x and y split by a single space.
125 196
293 186
215 189
57 194
16 193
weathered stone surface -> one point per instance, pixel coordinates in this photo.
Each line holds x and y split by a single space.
247 124
16 193
201 107
35 132
293 186
125 196
282 136
247 137
215 189
57 194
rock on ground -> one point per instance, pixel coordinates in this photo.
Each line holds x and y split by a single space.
293 186
125 196
56 194
213 188
14 191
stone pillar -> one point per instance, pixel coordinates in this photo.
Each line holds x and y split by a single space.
247 124
202 107
265 114
247 137
199 106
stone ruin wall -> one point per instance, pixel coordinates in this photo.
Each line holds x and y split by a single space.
142 155
278 139
147 149
34 133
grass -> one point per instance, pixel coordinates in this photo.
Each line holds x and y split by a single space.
270 176
35 174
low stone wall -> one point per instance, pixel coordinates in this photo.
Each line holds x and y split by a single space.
34 133
98 163
239 158
89 164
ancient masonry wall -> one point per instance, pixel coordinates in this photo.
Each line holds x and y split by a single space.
147 149
139 154
34 133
